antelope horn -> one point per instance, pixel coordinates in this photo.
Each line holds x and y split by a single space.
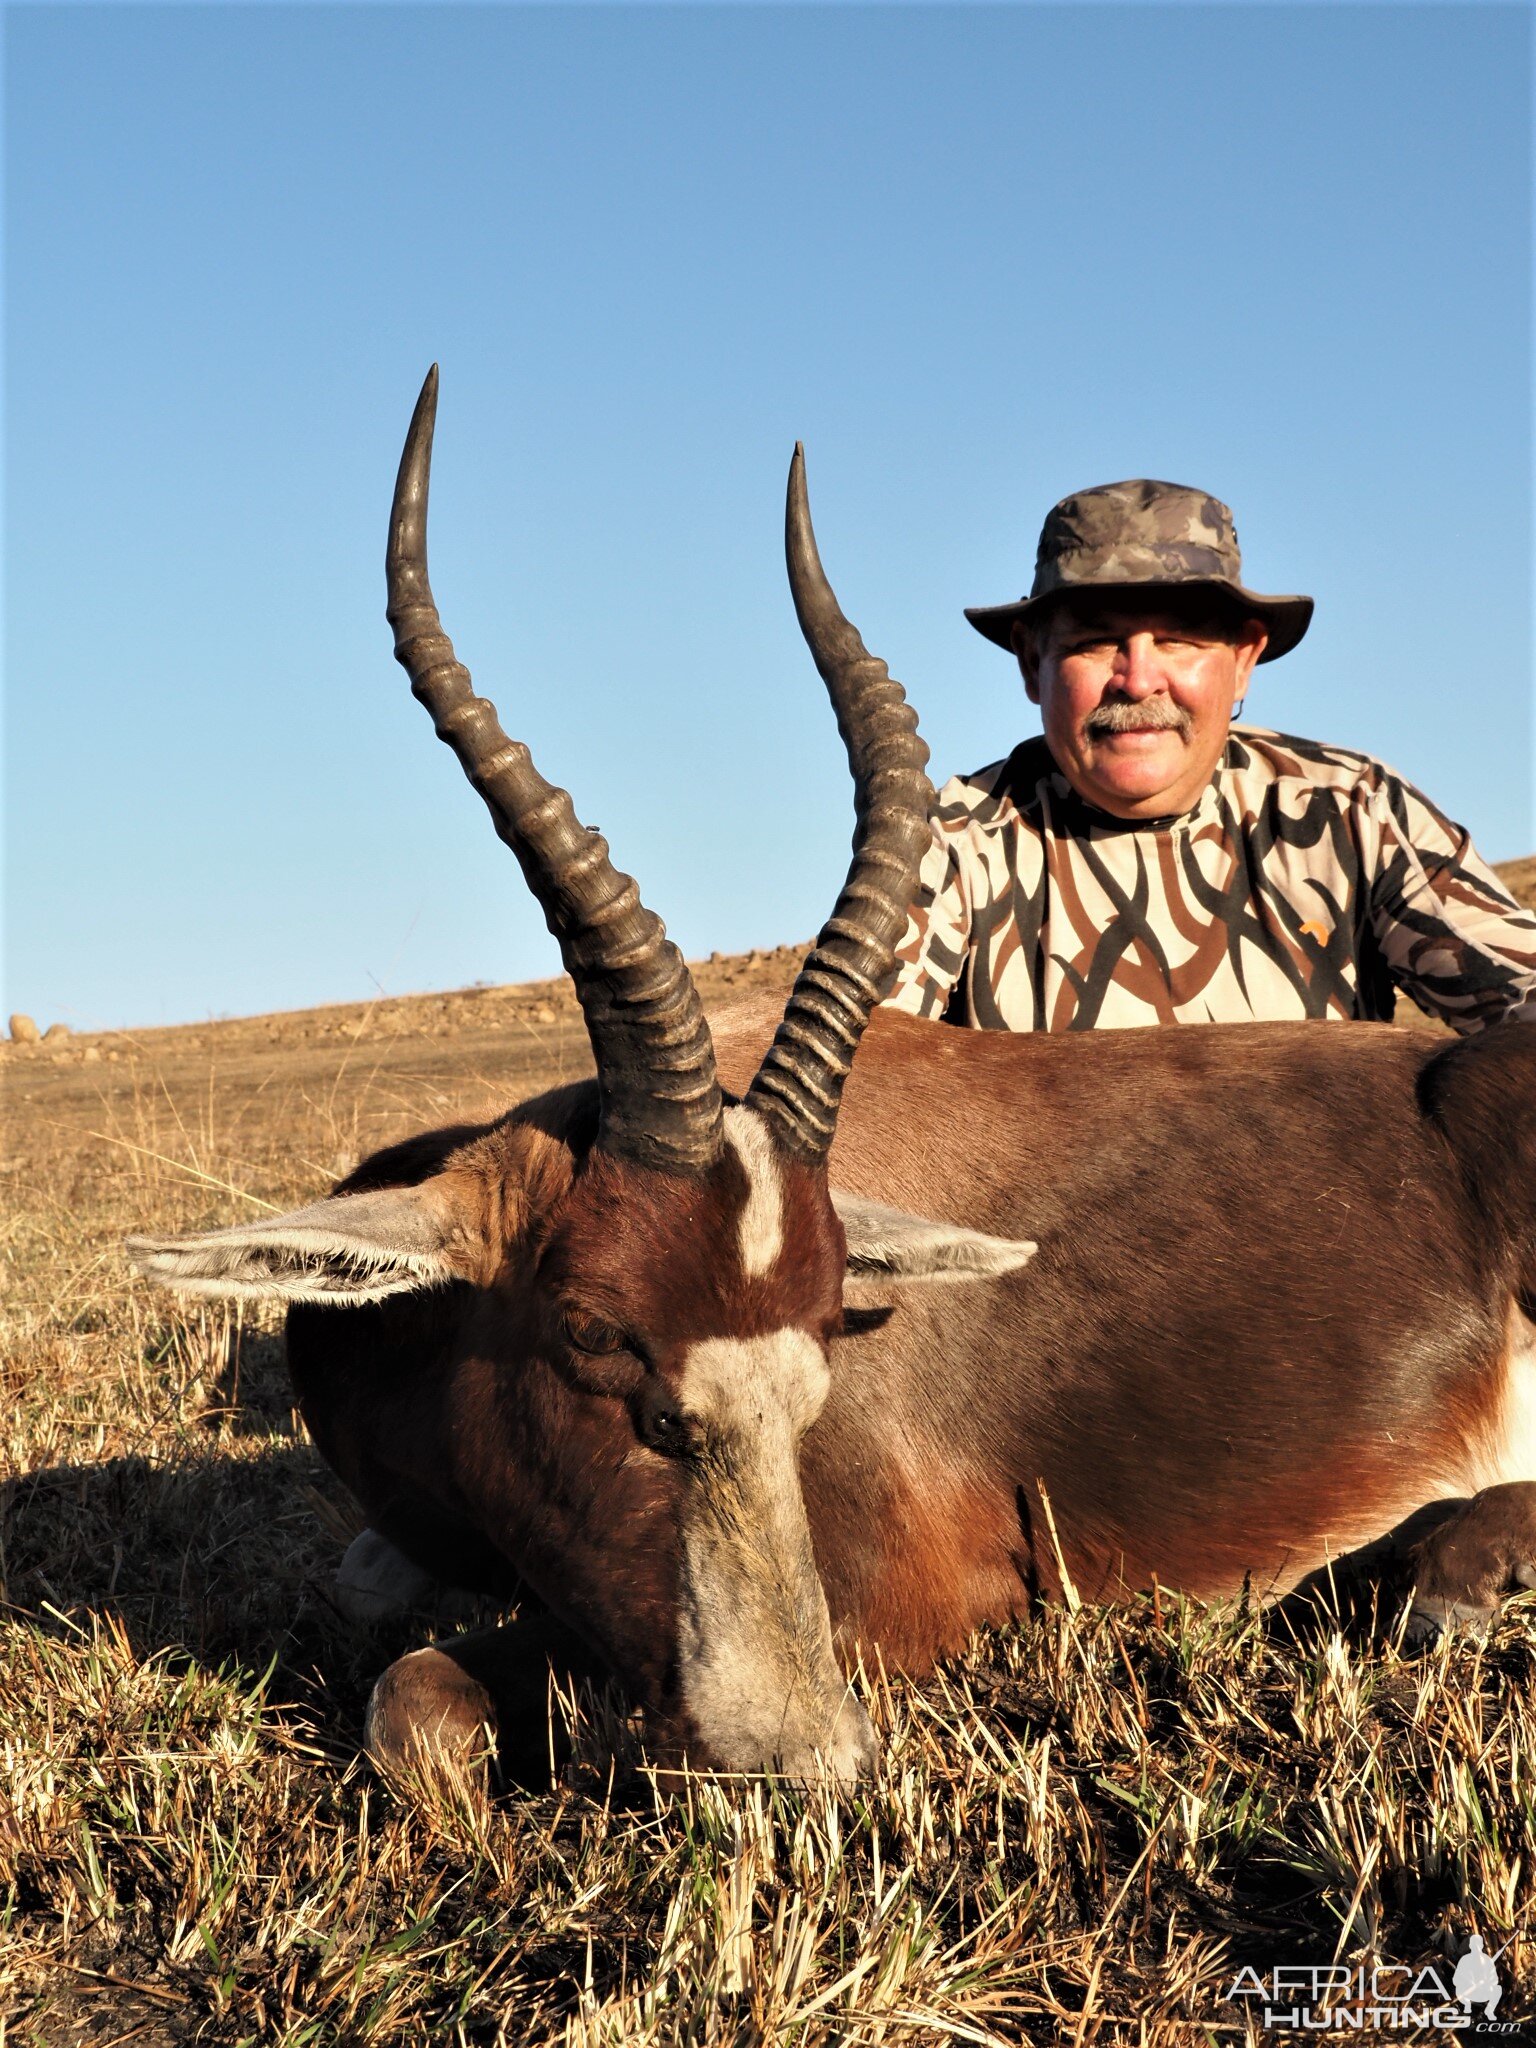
800 1082
660 1099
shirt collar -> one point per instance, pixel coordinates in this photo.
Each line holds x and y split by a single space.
1074 813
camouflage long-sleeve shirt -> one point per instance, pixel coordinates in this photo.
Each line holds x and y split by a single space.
1308 881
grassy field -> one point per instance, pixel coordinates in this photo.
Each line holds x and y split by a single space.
1081 1830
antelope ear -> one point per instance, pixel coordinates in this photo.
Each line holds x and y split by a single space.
893 1245
348 1248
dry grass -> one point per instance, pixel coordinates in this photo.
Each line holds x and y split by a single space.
1079 1833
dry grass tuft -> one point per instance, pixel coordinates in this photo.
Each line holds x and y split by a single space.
1080 1830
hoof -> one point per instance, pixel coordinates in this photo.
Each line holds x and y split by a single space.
427 1718
1471 1564
1430 1618
376 1582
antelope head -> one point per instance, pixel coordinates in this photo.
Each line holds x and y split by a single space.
658 1309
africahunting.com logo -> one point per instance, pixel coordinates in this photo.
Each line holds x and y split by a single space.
1377 1998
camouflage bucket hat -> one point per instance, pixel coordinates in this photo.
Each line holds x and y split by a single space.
1132 537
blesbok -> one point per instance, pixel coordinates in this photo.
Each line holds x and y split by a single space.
1237 1299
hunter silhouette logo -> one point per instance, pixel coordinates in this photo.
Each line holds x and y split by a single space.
1318 1998
1476 1980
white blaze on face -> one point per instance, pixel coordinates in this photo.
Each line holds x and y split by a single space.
760 1684
759 1680
761 1234
772 1387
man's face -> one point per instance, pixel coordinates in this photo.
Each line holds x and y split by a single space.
1136 703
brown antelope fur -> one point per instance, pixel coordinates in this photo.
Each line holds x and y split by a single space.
1265 1323
1204 1305
467 1409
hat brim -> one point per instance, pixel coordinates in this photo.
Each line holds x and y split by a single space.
1285 619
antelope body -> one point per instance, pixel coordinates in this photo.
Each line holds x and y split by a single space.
1207 1304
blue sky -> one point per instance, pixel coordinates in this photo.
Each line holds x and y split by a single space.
974 257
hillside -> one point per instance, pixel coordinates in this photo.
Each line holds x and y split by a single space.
526 1034
1519 878
367 1071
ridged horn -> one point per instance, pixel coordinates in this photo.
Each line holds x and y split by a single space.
850 968
660 1098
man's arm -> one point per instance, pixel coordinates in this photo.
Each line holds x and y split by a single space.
1450 933
931 956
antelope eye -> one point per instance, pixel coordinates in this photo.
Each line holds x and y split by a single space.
661 1421
590 1334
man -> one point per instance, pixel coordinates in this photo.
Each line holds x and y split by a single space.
1144 861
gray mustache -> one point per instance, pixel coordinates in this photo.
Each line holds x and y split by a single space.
1157 714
